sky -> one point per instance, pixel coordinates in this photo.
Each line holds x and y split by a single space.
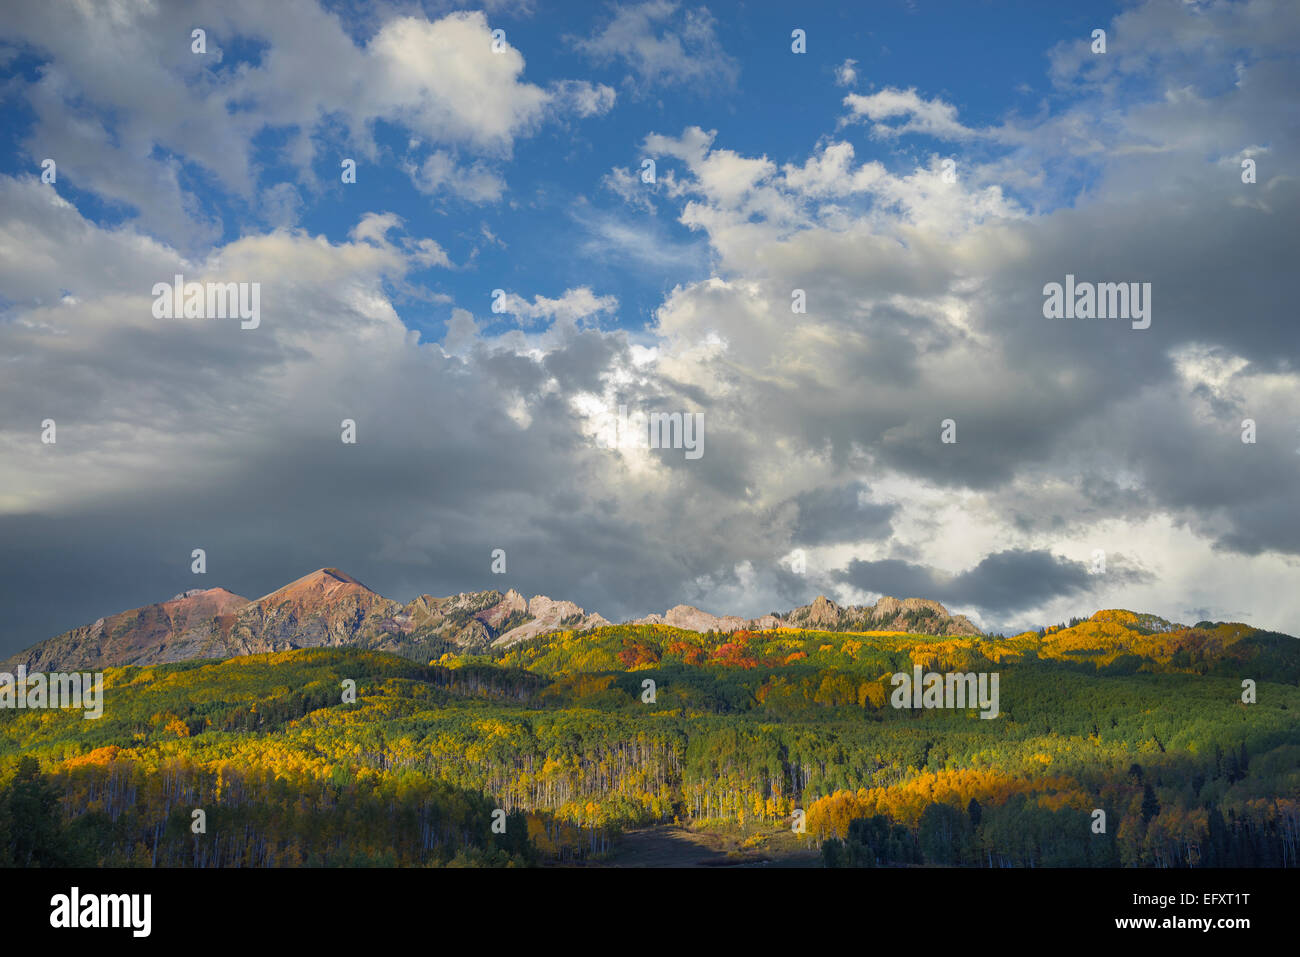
839 267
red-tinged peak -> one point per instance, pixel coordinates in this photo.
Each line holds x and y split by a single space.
336 574
323 581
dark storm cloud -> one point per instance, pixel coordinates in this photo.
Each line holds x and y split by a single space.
1004 583
836 514
173 437
586 356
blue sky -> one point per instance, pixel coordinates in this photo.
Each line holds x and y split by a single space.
779 105
986 59
776 172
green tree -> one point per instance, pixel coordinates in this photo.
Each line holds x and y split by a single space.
31 820
941 833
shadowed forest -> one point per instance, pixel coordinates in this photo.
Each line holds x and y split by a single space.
560 751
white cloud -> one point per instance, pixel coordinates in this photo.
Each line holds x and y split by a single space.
439 79
662 44
931 117
583 98
475 182
375 227
923 303
832 173
572 305
443 80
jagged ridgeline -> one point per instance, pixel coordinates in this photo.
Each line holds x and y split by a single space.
1140 718
329 608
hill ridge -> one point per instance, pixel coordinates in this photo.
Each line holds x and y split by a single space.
331 608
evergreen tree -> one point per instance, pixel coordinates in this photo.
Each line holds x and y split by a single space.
32 821
1150 806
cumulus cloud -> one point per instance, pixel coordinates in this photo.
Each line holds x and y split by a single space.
120 115
923 299
443 79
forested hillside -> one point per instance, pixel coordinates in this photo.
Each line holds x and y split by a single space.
1123 713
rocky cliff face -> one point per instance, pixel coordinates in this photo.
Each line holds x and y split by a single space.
690 618
326 608
549 615
916 615
331 608
194 624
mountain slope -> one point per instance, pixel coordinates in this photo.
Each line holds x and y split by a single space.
326 608
329 608
1121 710
915 615
194 624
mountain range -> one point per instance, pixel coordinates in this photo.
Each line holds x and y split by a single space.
329 608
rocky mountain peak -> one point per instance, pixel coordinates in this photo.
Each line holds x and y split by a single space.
823 611
328 607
